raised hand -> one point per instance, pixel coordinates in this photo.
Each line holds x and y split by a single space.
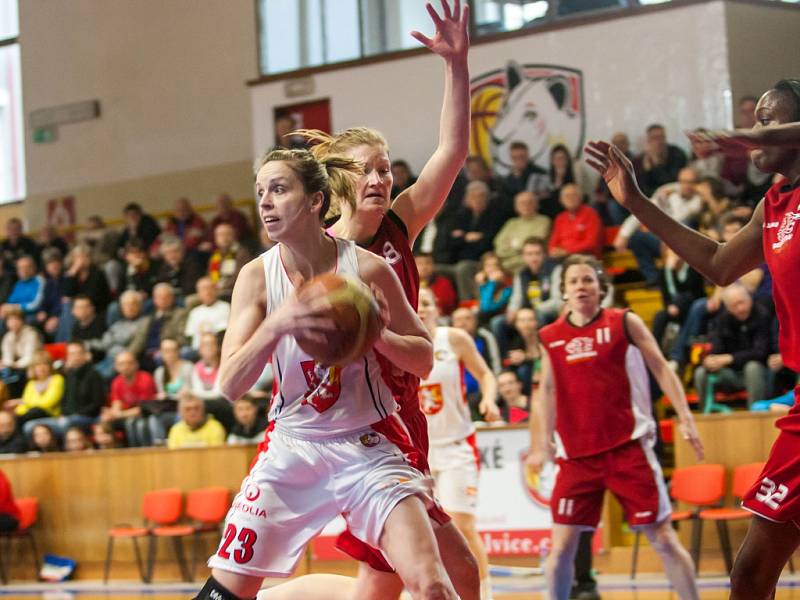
451 39
736 141
615 168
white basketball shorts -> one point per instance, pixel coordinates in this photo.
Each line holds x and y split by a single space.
297 486
455 470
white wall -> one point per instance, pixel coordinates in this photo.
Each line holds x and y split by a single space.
669 66
170 77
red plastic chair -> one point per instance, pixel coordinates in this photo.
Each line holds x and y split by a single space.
206 508
164 509
744 476
701 486
161 508
29 515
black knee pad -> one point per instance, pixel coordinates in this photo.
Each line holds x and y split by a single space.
214 590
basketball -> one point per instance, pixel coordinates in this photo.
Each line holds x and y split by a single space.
355 312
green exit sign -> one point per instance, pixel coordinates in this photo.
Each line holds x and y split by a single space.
44 135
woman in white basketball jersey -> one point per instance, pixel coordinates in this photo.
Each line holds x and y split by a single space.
453 456
331 447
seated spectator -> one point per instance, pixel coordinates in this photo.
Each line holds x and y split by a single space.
228 214
84 393
210 316
523 348
402 177
442 288
83 277
494 288
528 223
9 513
227 260
20 344
12 441
166 322
195 429
177 268
681 203
102 241
138 226
523 174
561 173
76 440
680 287
470 234
43 392
129 389
87 326
715 201
205 380
780 379
172 377
44 440
140 273
17 244
465 318
50 239
250 422
50 311
510 389
121 334
7 279
187 225
576 230
659 163
104 438
740 341
28 292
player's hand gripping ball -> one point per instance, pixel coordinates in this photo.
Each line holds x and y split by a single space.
356 315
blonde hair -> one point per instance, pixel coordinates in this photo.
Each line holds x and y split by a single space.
326 145
42 357
318 174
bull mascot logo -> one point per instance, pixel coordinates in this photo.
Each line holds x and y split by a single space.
541 105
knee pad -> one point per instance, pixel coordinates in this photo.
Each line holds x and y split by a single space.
214 590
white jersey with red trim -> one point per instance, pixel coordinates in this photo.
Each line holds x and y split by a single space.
315 401
442 396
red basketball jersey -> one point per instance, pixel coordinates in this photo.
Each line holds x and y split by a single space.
392 243
782 253
601 384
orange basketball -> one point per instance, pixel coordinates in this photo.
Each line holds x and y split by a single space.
355 312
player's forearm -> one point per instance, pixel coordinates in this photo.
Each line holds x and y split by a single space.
454 121
411 353
488 386
671 386
540 423
786 135
239 371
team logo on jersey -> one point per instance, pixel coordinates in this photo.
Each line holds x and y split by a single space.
538 485
786 230
324 385
441 355
431 399
370 439
251 492
390 253
579 349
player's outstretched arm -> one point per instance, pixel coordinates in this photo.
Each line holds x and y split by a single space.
404 340
721 263
542 421
467 352
251 338
736 141
666 377
418 204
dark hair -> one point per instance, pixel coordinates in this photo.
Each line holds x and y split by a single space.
729 218
52 446
570 176
74 342
474 158
716 185
591 261
653 126
401 163
133 207
517 145
82 297
792 87
318 175
250 400
135 244
535 241
51 255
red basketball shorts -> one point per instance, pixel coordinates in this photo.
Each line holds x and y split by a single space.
774 495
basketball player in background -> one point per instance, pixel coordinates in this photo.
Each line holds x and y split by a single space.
333 444
454 458
774 147
388 228
592 413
